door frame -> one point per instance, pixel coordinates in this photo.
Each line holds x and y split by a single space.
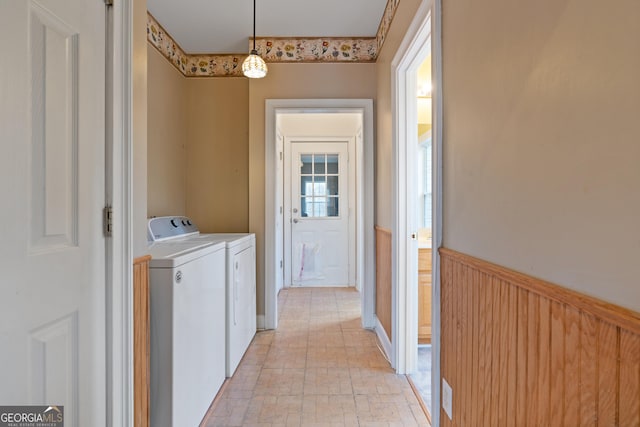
350 141
118 194
423 33
365 270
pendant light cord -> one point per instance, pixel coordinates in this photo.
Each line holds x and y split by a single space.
254 24
253 65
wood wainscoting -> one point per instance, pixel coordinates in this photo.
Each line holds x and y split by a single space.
383 278
141 347
518 351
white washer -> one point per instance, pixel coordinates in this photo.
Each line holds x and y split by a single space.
187 304
240 280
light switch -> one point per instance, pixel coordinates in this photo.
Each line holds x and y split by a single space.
447 398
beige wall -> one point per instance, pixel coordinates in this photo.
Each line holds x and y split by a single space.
384 150
320 124
541 140
293 81
198 150
167 137
218 153
139 81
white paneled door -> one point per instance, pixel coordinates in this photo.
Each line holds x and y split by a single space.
52 278
319 214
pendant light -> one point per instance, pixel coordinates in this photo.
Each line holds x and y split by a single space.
254 66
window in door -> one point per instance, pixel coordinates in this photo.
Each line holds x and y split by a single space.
319 195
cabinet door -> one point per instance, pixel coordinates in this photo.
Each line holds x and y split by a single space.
424 296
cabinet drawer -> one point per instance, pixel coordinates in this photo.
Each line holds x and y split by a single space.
424 259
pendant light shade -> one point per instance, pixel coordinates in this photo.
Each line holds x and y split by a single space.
254 66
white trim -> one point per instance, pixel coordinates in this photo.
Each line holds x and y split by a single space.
119 292
365 206
359 146
281 277
384 340
418 40
437 208
260 322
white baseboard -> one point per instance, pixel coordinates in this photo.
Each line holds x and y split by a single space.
384 340
260 321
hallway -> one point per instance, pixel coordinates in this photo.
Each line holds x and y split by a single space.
320 368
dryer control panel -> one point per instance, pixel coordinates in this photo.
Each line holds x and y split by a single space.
170 227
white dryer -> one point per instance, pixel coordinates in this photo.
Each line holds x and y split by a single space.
240 298
241 293
188 335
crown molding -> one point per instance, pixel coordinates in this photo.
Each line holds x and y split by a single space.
273 49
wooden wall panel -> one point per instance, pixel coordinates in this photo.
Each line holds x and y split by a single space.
521 351
141 347
522 316
571 409
588 371
383 278
607 374
630 377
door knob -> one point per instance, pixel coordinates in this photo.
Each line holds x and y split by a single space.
295 220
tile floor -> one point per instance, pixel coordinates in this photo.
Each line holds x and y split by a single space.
422 378
320 368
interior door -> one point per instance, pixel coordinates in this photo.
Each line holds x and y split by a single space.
319 214
52 285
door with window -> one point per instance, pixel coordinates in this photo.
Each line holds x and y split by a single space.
319 214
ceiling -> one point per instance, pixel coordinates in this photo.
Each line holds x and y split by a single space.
225 26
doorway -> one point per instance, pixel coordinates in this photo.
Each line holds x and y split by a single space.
409 232
421 377
319 209
361 166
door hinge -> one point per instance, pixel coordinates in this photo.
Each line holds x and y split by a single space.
107 221
108 2
280 155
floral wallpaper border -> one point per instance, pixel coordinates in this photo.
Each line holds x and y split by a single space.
191 65
272 49
385 22
328 49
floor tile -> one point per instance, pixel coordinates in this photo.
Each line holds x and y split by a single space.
319 368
